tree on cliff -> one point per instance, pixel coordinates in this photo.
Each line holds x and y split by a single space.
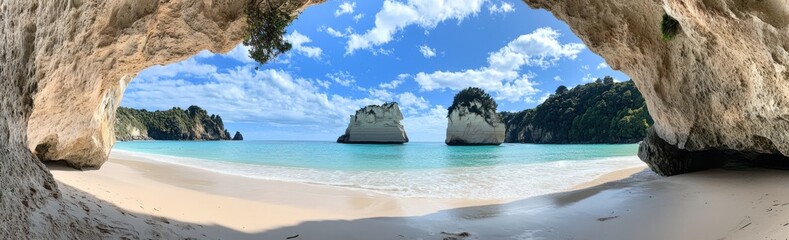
486 108
603 111
266 30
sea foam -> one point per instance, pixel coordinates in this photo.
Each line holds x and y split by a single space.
503 181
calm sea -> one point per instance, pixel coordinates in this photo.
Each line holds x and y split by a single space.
429 170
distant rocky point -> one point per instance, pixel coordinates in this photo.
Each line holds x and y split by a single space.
473 119
193 123
238 136
376 124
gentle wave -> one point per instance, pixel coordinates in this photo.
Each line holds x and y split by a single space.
506 181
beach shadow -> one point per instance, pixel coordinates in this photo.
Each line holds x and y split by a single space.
603 209
478 221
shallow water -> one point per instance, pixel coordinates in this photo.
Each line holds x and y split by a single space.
429 170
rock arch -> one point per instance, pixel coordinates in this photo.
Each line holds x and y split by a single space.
64 65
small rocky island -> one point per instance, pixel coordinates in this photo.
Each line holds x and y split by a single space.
194 123
473 119
376 124
238 136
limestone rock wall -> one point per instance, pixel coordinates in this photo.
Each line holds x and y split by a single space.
468 128
719 84
63 67
376 124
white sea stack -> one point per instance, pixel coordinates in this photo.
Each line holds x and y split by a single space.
473 120
376 124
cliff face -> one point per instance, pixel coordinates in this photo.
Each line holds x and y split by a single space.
718 84
467 127
603 111
193 123
63 67
376 124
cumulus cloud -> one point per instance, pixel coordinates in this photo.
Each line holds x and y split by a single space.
358 17
540 48
299 42
394 83
427 52
543 98
503 7
412 104
342 77
588 78
429 125
345 8
240 53
334 33
394 16
558 78
602 65
242 94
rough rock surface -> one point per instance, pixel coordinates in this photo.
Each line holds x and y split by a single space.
194 123
720 83
63 68
376 124
238 136
469 128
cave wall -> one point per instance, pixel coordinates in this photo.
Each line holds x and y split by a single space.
63 67
721 83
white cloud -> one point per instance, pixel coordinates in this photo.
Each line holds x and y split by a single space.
558 78
427 52
585 68
502 8
342 77
412 104
394 16
345 8
334 33
540 48
588 78
242 94
394 83
240 53
543 98
299 40
602 65
427 126
358 17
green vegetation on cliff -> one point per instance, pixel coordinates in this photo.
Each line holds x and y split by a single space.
486 105
600 112
193 123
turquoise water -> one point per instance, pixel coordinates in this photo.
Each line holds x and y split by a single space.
409 170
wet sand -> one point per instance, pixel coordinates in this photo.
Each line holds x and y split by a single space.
626 204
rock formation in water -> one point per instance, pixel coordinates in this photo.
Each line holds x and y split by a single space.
376 124
714 78
193 123
64 65
473 119
603 111
238 136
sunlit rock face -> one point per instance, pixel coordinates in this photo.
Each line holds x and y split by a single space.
376 124
63 67
720 83
469 128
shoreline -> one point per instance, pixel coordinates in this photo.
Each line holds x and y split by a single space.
249 206
716 204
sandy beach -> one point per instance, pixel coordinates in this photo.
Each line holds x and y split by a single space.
630 203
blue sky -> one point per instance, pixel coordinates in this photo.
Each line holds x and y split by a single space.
349 54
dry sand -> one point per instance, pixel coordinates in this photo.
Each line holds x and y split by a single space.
716 204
